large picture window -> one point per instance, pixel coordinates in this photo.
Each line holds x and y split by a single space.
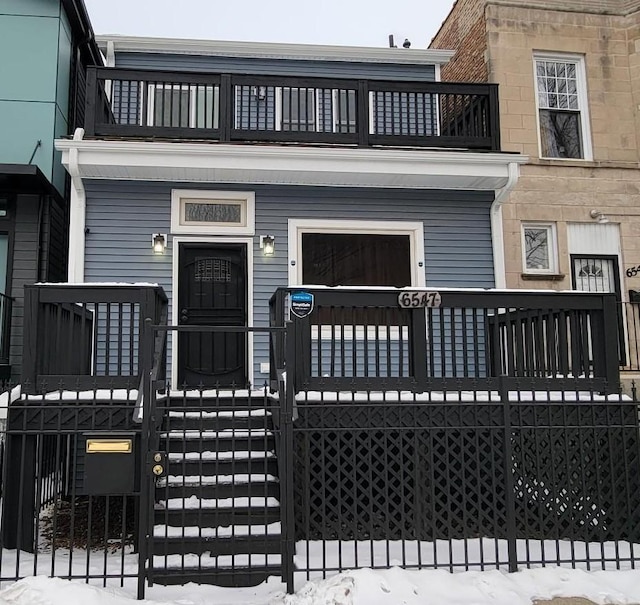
356 259
562 107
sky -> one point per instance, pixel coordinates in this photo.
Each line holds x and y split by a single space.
341 22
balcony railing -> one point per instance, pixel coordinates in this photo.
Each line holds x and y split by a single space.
87 336
236 108
362 339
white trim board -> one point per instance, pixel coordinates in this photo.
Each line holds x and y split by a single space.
276 50
182 239
288 165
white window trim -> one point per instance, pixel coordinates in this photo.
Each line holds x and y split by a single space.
583 102
553 248
415 231
248 199
173 298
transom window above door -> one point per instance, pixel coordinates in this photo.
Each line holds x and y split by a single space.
209 212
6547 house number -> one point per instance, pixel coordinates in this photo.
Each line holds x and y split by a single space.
633 271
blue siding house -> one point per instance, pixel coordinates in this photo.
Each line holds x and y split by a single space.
260 166
285 329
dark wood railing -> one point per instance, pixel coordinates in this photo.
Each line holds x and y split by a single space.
362 339
235 108
87 336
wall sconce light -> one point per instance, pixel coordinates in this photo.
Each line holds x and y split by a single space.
599 216
268 244
159 242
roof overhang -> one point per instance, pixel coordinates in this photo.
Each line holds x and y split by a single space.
287 165
271 50
25 178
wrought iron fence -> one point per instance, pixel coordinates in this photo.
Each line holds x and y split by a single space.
69 490
466 480
238 107
229 486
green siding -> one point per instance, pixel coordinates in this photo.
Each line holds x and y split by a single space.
22 125
35 84
64 68
37 8
32 42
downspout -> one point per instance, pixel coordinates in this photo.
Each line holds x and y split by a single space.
77 212
497 230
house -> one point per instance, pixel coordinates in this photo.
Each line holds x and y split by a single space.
270 165
568 77
280 350
45 49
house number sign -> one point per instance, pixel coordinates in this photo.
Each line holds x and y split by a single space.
417 300
633 271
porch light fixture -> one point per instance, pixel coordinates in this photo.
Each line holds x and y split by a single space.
159 242
268 244
599 216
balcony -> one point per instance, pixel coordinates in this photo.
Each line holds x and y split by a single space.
235 108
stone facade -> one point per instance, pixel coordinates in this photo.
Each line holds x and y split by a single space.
496 41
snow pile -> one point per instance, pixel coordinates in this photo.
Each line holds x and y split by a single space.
362 587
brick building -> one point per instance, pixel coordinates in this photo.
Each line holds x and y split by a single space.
569 76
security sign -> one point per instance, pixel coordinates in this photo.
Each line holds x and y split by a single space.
301 304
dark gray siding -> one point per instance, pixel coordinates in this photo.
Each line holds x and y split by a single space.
24 269
121 217
288 67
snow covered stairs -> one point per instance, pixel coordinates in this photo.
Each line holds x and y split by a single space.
217 510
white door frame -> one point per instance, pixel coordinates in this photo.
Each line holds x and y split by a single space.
182 239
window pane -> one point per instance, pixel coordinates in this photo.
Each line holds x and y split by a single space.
298 109
332 259
171 107
560 134
206 212
536 246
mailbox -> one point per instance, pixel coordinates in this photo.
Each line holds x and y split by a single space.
634 296
110 463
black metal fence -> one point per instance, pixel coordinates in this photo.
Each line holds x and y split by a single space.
230 486
236 107
64 512
466 480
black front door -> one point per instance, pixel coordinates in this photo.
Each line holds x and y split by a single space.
212 291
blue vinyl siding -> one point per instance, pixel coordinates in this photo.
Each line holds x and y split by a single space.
122 216
282 67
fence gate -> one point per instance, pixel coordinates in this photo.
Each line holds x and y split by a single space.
215 503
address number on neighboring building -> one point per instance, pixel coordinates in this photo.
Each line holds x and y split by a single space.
633 271
417 300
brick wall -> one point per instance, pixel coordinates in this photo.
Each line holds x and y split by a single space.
606 7
464 32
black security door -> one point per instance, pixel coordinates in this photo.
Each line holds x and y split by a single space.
212 292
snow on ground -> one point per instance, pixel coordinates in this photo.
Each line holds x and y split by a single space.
362 587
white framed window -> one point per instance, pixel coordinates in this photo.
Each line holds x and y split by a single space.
356 253
183 105
208 212
539 248
561 100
